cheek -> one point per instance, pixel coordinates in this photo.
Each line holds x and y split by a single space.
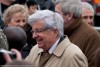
12 24
84 19
46 38
24 23
49 38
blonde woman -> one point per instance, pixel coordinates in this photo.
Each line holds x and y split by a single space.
15 15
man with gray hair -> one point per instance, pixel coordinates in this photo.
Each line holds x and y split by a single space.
53 49
87 13
79 32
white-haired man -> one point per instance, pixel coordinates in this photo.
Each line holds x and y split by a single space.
53 49
79 32
87 13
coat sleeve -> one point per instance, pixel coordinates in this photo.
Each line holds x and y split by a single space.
79 60
3 40
92 44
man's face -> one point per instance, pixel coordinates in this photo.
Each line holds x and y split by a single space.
87 16
32 9
45 38
58 9
7 2
65 17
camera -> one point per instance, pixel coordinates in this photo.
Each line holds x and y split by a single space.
2 60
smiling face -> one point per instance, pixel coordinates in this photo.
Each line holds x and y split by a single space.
45 38
17 19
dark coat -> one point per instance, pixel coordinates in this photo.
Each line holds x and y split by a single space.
85 37
30 41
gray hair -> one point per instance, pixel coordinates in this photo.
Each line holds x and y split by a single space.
71 6
87 6
52 20
63 1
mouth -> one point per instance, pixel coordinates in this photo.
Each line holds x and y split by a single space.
39 41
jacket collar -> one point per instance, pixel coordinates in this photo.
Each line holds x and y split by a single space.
61 47
63 44
74 24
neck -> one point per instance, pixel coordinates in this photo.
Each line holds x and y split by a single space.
75 22
46 48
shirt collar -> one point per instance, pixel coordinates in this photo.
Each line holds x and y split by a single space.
53 47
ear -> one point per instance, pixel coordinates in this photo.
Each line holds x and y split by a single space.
70 16
55 33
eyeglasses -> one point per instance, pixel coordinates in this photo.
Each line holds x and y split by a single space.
39 30
90 17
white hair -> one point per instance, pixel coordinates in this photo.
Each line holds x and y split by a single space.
87 6
63 1
52 20
71 6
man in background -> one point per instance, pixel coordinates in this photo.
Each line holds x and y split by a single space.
87 13
79 32
32 6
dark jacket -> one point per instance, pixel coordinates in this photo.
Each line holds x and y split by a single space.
85 37
4 45
1 23
30 41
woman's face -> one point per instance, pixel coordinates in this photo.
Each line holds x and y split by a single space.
18 19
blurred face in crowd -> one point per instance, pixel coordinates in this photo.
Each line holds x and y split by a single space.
87 16
32 9
45 38
18 19
58 9
66 17
7 2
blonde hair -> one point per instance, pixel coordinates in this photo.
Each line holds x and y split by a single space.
12 10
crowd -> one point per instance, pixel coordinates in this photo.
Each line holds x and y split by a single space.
49 33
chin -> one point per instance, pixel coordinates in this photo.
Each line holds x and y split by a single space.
40 46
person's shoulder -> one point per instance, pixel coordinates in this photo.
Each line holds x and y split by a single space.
33 53
1 30
35 49
74 49
89 30
1 33
74 53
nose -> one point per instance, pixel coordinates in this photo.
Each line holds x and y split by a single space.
22 24
35 35
89 21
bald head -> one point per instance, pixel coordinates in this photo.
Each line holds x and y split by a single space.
16 37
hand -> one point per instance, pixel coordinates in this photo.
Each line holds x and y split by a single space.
18 55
